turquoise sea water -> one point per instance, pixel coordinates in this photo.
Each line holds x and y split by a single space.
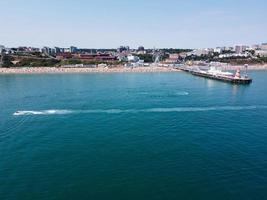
132 136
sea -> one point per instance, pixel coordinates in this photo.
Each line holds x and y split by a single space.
163 136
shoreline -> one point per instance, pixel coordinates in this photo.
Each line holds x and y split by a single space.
118 69
62 70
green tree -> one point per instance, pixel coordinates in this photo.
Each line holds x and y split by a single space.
7 61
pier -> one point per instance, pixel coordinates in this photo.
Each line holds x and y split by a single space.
235 79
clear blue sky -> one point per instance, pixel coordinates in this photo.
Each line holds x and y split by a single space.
152 23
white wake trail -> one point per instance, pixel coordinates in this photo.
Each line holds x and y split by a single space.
43 112
133 111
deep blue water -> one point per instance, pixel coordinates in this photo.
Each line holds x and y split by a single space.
132 136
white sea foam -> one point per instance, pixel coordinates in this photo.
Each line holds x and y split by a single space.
182 93
149 110
202 109
159 94
43 112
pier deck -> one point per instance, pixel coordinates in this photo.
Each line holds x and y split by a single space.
229 79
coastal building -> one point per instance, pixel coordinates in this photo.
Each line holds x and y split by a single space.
66 50
9 51
199 52
141 48
132 58
22 49
183 55
48 51
240 49
27 50
263 46
261 53
229 49
122 49
122 57
173 58
235 55
73 49
34 49
58 50
219 49
102 65
139 63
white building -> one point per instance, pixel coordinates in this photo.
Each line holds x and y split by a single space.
229 48
235 55
199 52
261 53
66 50
218 50
140 63
132 58
240 48
48 51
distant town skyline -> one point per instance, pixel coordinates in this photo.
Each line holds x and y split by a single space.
109 24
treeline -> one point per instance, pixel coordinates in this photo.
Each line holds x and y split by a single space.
10 61
96 50
263 59
147 58
91 62
232 60
6 61
176 51
38 63
242 60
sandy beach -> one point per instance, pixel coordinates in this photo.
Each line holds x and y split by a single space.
119 69
50 70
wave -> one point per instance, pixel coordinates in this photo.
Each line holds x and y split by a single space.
203 109
149 110
182 93
161 94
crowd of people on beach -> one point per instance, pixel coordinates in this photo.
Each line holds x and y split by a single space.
118 69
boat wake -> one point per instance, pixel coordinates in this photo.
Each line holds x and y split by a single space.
43 112
149 110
